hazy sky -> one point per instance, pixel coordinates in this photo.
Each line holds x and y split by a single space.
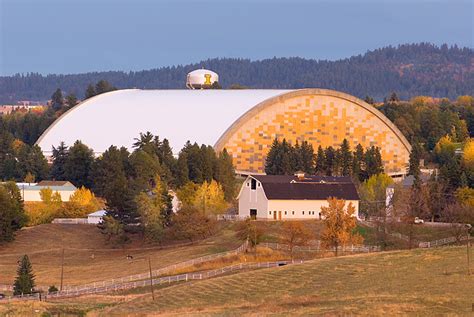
71 36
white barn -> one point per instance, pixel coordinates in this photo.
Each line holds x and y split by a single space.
287 197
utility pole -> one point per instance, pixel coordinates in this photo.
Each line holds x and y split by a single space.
468 231
62 270
151 280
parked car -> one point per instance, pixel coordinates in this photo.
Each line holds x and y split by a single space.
419 221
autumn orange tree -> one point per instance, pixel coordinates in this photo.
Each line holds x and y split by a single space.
339 224
295 233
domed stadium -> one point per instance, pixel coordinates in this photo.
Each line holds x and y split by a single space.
245 122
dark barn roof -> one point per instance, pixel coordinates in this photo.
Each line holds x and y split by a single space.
287 187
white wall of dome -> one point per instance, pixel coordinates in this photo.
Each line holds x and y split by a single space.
117 117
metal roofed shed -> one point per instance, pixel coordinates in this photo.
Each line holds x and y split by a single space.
96 217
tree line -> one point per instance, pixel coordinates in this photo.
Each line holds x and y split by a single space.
433 70
135 185
285 159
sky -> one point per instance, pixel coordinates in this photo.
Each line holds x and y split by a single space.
76 36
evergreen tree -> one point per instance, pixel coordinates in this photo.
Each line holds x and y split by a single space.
112 181
167 160
103 86
195 162
286 153
329 162
414 161
209 161
357 164
78 165
345 159
373 161
90 92
31 160
306 158
25 280
147 142
12 216
57 100
271 163
60 156
182 171
369 100
225 175
71 100
144 168
320 167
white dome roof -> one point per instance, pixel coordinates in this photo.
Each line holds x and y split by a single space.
117 117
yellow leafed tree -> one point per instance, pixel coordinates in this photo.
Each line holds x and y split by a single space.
339 224
81 203
210 198
207 197
468 155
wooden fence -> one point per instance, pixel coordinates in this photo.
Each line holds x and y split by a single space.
317 248
156 281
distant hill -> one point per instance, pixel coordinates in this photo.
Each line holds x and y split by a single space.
409 70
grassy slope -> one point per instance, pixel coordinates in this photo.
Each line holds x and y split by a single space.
418 282
43 245
85 263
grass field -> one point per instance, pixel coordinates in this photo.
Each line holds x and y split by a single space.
422 282
88 257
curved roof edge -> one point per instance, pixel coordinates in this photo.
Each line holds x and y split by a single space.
52 125
219 145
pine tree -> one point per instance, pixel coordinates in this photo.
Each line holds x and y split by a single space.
90 92
25 280
414 161
12 215
271 159
329 162
225 175
357 163
60 155
286 167
182 171
103 86
373 161
78 165
71 100
57 100
307 158
320 167
345 159
167 160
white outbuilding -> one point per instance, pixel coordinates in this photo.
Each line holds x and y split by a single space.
96 217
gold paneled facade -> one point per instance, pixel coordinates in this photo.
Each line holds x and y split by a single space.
321 117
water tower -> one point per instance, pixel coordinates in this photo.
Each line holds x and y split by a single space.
201 79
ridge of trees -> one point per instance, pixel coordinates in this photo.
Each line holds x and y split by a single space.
285 159
411 69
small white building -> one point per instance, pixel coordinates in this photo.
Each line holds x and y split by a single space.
287 197
30 192
96 217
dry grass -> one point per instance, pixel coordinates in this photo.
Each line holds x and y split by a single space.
418 282
263 255
89 258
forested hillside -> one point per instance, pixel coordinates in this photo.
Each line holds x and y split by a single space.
410 70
